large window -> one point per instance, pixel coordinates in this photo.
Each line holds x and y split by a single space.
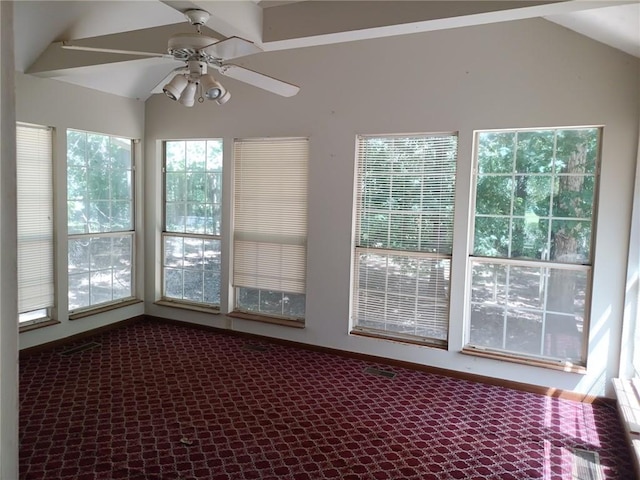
100 199
35 223
404 236
535 192
270 226
192 222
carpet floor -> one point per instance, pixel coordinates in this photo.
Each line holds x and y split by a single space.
156 401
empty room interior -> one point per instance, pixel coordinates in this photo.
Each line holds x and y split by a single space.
320 239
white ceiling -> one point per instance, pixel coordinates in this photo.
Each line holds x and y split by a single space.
273 25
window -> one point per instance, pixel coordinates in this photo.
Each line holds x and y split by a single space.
192 222
35 223
532 242
404 236
270 226
100 219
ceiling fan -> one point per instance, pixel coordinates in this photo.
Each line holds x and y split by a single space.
199 52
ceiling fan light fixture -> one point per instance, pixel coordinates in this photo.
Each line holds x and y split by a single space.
188 97
175 87
211 88
224 98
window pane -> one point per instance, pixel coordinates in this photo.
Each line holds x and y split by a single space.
535 151
529 238
570 241
488 284
524 332
577 150
553 182
193 186
100 269
487 326
536 311
494 195
271 302
496 152
532 195
175 154
491 237
191 268
573 196
99 183
173 283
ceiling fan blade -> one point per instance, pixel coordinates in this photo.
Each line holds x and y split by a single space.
68 46
232 47
259 80
160 85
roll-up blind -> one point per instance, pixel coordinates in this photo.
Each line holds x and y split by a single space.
270 214
35 217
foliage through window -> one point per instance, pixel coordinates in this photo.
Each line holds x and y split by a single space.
532 247
404 235
100 202
192 218
34 185
270 226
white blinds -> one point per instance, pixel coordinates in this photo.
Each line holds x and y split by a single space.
270 214
404 228
406 192
35 217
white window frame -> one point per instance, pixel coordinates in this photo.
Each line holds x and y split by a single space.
35 195
584 267
433 329
204 237
90 237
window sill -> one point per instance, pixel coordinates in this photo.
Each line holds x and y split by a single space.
266 319
188 306
534 362
37 324
103 308
423 342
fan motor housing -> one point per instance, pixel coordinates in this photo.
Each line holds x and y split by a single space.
184 46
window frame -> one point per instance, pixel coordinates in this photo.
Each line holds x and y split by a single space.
418 255
81 312
586 266
181 302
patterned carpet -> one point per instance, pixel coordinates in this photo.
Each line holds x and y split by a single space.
157 401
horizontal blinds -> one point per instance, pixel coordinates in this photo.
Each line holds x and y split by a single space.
270 214
35 217
404 228
406 192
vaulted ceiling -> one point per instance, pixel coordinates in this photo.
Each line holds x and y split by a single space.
40 26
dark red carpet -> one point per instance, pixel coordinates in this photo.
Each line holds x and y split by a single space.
163 402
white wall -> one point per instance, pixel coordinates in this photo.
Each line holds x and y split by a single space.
62 105
521 74
8 264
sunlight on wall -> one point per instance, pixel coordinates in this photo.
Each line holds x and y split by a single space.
595 383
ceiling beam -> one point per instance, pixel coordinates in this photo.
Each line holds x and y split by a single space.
310 23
